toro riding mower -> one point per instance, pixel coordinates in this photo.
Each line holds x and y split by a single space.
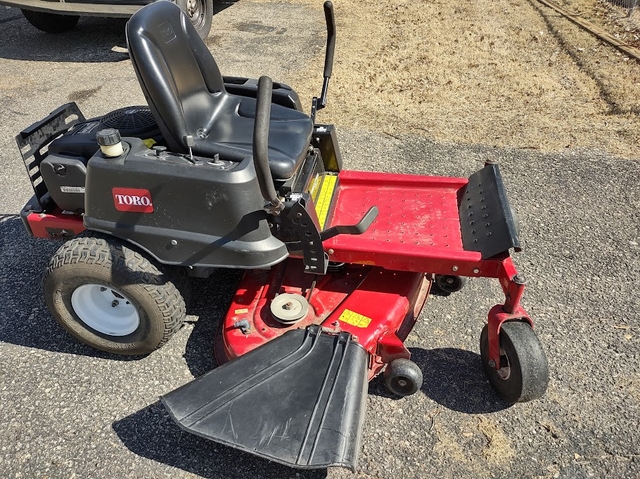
228 172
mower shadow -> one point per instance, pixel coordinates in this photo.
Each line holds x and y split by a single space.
151 433
453 378
209 300
93 40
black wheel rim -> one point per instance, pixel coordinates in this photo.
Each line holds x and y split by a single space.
402 385
450 283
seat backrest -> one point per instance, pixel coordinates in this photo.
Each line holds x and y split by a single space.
177 73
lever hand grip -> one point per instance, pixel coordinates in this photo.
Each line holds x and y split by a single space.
331 38
356 229
261 141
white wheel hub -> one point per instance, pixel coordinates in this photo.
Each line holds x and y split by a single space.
105 309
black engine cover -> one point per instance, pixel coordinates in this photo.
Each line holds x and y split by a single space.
80 140
64 168
191 213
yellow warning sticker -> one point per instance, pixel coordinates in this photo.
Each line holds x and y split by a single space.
149 142
323 201
315 185
355 319
241 311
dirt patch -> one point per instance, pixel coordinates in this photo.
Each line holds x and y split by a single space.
504 73
83 95
498 449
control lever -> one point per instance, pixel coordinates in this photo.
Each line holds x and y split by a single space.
188 139
261 147
356 229
320 103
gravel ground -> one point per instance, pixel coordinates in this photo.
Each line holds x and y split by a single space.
68 411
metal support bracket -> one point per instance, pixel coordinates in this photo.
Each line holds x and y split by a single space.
302 217
497 316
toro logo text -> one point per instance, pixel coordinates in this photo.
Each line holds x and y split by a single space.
132 200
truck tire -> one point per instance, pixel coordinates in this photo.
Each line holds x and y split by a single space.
200 12
51 22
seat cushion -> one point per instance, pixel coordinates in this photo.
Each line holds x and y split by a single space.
231 135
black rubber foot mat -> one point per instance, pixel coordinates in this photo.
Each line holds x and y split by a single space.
486 220
298 400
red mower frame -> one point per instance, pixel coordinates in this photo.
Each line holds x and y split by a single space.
406 251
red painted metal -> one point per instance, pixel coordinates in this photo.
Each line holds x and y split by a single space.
417 232
417 228
372 304
54 224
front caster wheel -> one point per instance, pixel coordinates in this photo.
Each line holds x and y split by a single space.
448 283
524 371
111 297
403 377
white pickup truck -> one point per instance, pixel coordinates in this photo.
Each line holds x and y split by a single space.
57 16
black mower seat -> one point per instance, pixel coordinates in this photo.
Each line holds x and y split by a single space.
186 93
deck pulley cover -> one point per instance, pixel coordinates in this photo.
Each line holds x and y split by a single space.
289 308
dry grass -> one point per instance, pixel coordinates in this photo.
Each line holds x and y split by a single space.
504 73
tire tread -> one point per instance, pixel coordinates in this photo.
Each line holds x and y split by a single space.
103 252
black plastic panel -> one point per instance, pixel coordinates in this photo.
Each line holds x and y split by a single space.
204 213
33 140
65 178
486 219
298 400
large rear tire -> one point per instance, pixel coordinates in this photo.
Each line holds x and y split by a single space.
111 297
51 22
